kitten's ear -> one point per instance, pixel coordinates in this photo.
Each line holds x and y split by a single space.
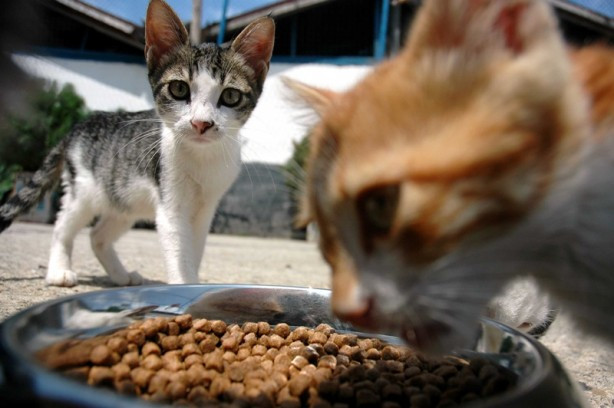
319 100
255 44
164 32
478 25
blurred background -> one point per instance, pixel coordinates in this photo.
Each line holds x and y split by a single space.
61 59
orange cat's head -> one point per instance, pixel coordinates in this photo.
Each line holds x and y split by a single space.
449 144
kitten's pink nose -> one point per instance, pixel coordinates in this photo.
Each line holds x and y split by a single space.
201 126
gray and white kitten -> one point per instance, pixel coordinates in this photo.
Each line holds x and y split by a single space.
171 165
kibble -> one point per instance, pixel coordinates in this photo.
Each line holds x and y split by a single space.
196 361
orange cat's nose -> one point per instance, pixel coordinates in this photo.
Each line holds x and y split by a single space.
360 316
201 126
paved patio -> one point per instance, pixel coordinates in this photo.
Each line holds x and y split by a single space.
229 259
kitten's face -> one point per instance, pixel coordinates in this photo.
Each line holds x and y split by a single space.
205 84
417 173
205 93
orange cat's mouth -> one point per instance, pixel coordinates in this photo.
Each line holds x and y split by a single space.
422 337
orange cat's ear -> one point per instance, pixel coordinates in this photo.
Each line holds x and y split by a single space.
319 100
164 32
477 25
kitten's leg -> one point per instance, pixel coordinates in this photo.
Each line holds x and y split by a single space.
201 225
177 237
73 216
108 230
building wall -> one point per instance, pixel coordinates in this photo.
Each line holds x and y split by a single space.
104 85
277 121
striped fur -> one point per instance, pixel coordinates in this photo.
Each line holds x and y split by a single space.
42 181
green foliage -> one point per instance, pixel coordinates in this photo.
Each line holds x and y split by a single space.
7 177
27 138
295 167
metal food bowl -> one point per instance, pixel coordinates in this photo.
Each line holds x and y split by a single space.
542 381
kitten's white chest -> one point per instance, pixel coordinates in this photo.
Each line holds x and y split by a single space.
201 173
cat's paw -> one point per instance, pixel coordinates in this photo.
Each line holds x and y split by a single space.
135 279
61 277
127 279
523 306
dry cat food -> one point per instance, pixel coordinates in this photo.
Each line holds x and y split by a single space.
189 361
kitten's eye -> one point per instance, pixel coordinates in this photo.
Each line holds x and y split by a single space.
230 97
377 208
179 90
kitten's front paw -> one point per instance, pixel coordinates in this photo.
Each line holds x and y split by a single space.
135 278
61 277
127 279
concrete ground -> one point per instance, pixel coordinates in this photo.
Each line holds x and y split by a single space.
229 259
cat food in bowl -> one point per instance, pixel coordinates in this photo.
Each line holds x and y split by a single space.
203 362
255 346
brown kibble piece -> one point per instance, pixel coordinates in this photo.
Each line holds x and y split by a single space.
325 328
218 327
151 348
214 360
141 376
282 330
136 336
186 338
157 383
100 376
230 343
198 394
209 343
176 390
243 353
250 327
219 385
152 362
170 343
276 341
184 321
101 355
173 329
390 353
331 348
299 384
299 362
190 348
263 328
258 350
318 337
300 334
131 359
202 325
118 345
193 359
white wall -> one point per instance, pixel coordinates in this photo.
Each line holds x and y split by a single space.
276 122
280 119
103 85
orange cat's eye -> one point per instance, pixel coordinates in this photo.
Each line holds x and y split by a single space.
377 208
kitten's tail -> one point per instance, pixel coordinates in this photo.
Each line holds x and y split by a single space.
43 180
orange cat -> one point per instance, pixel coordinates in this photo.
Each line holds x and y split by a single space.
471 158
